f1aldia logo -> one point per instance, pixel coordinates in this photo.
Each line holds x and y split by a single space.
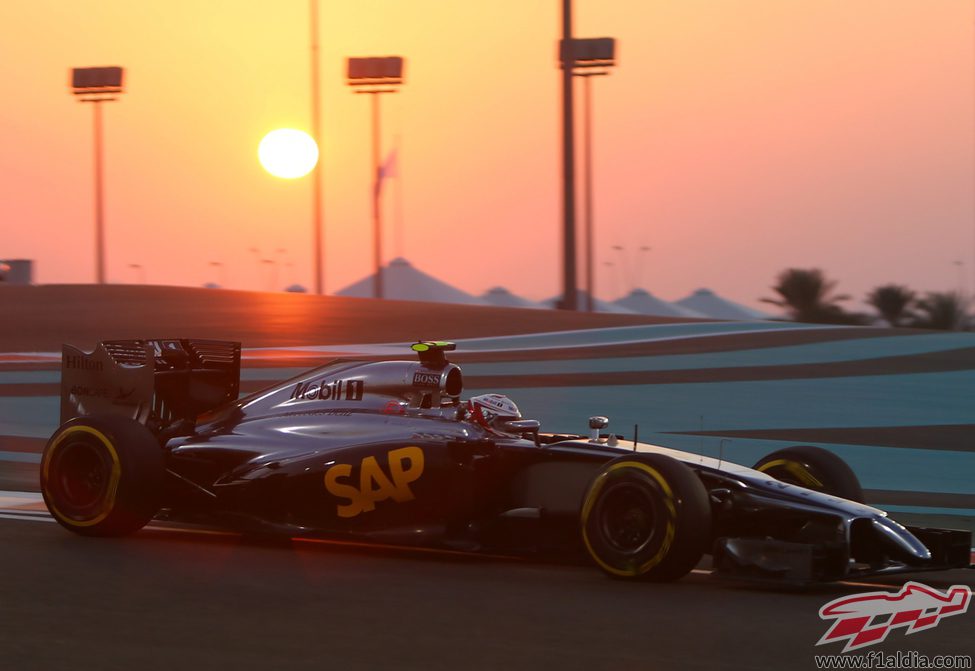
866 619
328 390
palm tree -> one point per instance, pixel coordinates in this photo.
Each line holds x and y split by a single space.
893 302
807 296
944 310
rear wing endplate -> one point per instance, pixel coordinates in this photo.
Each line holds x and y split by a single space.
155 382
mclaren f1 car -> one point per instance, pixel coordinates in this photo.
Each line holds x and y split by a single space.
389 452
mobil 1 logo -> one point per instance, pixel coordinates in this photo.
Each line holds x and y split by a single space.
328 390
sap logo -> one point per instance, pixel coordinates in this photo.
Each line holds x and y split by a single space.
326 390
405 466
421 379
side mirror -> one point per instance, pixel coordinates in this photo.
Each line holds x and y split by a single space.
595 424
523 427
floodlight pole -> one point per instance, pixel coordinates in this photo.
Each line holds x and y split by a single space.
586 58
377 216
377 178
99 189
98 85
375 76
569 297
587 148
587 181
99 196
317 170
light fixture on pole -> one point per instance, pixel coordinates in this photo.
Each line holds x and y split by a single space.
592 57
375 76
98 85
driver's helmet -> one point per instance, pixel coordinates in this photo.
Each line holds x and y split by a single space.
492 411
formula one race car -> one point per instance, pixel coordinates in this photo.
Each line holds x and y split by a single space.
386 451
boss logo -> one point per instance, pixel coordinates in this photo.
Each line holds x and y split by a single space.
334 390
421 379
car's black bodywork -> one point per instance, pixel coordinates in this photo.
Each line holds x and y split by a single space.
381 451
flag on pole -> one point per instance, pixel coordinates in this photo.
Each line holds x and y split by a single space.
387 169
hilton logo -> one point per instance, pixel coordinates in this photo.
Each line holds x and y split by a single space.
325 391
81 363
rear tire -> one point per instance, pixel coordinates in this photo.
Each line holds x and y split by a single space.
646 517
102 475
813 468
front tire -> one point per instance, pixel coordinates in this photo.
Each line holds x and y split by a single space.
646 517
813 468
102 475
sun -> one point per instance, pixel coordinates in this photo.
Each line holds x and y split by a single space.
288 153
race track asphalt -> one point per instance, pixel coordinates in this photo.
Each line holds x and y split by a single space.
168 599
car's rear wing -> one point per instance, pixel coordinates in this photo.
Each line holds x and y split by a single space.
156 382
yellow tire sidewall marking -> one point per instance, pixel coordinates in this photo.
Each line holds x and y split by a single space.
795 468
114 477
669 502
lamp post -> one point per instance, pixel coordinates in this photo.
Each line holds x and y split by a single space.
223 274
273 275
592 57
141 271
626 270
376 75
641 280
97 85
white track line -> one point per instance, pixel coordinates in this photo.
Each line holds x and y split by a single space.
266 353
16 500
30 518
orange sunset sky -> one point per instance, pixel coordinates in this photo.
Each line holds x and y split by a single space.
735 138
